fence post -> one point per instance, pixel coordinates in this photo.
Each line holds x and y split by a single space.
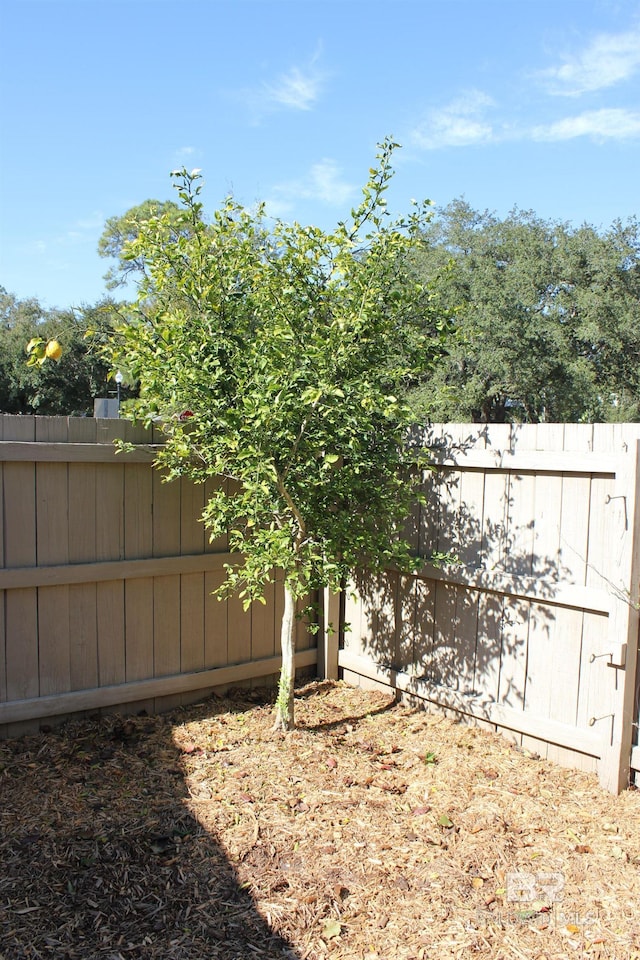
329 634
623 574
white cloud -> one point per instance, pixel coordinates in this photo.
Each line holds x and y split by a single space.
609 59
299 88
323 183
459 124
326 184
606 124
296 89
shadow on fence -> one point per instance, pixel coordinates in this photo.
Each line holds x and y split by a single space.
468 640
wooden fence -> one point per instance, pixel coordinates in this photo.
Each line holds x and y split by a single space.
106 577
535 632
106 580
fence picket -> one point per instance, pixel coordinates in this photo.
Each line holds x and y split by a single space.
83 638
424 627
216 627
166 522
21 606
110 620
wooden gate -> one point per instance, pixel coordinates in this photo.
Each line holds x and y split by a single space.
535 630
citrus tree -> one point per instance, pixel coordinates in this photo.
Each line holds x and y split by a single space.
276 356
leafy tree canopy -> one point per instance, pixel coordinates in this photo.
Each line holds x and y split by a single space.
66 388
276 357
547 317
118 231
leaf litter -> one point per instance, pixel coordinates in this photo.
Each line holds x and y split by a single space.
204 834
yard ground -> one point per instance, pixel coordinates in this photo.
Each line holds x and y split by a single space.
372 832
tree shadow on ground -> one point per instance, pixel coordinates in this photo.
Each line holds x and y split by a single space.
353 720
113 865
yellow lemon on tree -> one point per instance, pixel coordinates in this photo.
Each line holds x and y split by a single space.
54 350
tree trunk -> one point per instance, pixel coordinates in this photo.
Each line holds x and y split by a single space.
284 704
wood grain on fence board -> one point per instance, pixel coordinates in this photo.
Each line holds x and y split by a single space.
52 535
192 622
192 532
486 680
110 612
216 627
353 639
263 625
110 628
165 516
21 606
166 625
138 543
34 576
406 622
544 641
83 636
110 512
424 626
167 610
167 600
518 561
139 629
20 619
567 668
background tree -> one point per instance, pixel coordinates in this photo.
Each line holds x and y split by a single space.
275 359
600 293
546 317
66 388
119 231
19 320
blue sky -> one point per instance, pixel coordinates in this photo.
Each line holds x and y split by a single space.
508 103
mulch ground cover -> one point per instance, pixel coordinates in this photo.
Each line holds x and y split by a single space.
374 831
